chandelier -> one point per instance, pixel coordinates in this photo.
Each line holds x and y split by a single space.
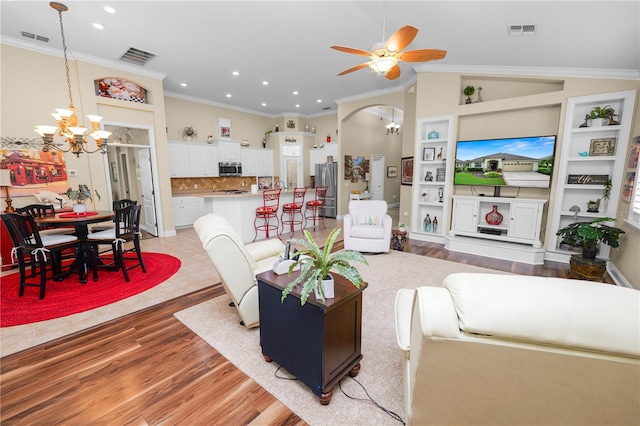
393 128
67 121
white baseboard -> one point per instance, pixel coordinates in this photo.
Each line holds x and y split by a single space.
496 249
617 276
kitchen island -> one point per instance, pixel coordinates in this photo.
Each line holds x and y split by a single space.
239 209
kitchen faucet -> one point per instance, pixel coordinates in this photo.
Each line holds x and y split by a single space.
282 185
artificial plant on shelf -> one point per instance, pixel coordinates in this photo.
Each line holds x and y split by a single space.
316 263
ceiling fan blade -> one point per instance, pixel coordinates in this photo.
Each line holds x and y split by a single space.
401 38
393 73
356 68
352 50
422 55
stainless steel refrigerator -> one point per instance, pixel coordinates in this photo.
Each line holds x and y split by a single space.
327 175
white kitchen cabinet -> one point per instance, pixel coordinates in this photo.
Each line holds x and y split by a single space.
319 156
178 159
581 161
229 151
186 210
249 158
265 162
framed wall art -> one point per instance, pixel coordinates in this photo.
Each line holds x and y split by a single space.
428 154
392 171
224 128
604 146
407 171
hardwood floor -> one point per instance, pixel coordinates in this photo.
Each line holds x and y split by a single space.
146 368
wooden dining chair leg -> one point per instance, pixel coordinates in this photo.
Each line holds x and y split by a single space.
136 244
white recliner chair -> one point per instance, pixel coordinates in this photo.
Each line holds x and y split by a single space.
237 263
367 226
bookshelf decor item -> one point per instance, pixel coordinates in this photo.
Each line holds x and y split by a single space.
428 154
604 146
587 179
433 135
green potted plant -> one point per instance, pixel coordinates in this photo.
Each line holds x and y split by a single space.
589 235
468 92
316 263
601 116
80 195
188 133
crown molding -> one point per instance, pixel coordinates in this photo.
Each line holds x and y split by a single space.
382 92
532 71
46 50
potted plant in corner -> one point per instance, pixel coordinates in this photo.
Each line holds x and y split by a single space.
188 133
589 235
316 263
80 195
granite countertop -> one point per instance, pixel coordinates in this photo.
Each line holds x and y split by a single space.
208 193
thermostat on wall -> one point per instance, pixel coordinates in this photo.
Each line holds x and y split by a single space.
72 173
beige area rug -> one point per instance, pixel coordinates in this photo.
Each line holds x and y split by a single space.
381 374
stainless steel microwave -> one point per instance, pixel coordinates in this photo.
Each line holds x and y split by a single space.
230 168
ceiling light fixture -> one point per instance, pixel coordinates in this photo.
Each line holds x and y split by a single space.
98 26
67 120
109 9
393 128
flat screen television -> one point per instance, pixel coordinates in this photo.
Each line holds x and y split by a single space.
511 162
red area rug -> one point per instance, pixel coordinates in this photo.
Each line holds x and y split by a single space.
69 296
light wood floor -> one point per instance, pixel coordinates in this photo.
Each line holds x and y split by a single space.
146 368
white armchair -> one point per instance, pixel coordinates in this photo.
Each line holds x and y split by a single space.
237 263
367 226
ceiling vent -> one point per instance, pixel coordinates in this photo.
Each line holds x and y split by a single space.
35 36
137 56
521 29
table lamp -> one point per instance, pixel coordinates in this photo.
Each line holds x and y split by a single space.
5 181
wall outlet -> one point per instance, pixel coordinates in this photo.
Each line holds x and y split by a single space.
195 186
406 214
72 172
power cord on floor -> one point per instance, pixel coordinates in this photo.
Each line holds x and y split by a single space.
391 414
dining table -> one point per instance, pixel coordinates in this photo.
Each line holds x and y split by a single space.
81 222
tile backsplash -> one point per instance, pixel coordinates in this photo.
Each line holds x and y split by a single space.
208 183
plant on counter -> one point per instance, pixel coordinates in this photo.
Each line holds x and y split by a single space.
188 132
316 263
589 235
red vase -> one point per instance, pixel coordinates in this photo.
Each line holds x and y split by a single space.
494 217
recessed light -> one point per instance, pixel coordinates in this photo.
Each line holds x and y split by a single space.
319 100
235 73
228 95
98 26
264 104
109 9
295 92
265 83
297 105
183 84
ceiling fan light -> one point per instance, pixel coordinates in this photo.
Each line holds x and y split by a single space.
383 64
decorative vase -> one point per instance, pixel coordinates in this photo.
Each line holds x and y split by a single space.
79 208
329 288
434 225
494 217
426 223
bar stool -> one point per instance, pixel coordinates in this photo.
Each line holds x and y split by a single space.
292 209
315 206
268 211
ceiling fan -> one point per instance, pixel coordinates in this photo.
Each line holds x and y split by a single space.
385 56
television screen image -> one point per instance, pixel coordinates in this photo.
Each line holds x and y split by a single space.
518 162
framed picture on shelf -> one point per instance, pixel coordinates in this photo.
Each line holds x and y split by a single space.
604 146
428 154
392 171
635 152
407 171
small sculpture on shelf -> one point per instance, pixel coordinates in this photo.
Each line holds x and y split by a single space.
593 206
440 195
479 94
428 177
434 225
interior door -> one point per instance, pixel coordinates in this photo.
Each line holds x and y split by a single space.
148 221
376 185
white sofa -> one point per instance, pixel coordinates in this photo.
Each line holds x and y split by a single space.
498 349
237 263
367 226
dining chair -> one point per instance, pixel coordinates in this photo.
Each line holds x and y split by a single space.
128 230
117 204
267 212
41 249
40 210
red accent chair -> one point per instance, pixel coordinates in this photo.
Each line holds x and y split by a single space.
292 210
268 211
314 207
